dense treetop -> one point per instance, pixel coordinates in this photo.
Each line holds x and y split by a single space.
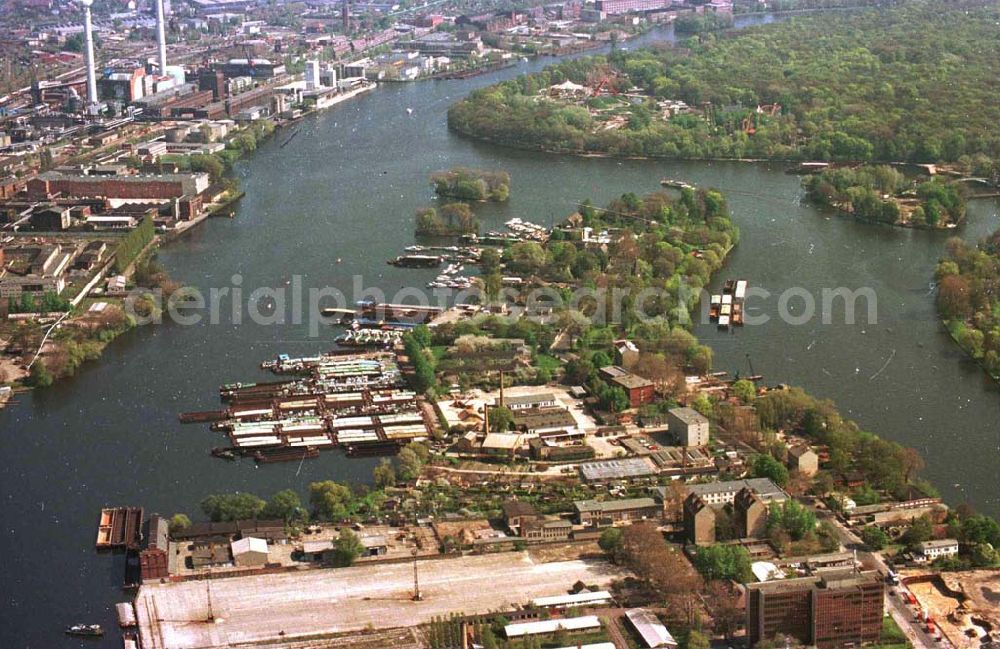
914 82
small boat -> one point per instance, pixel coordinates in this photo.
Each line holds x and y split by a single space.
224 453
85 630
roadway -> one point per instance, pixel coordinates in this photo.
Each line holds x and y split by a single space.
901 612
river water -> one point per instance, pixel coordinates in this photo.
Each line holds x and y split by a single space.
339 201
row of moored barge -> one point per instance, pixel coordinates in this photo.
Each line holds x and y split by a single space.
353 401
726 309
119 527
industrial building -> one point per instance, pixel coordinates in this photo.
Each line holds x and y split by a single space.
160 186
654 634
835 608
638 389
628 468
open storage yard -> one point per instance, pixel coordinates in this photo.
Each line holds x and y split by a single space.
280 610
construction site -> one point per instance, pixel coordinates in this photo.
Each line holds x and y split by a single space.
318 608
964 605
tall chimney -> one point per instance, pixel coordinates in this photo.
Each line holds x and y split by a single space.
161 38
345 14
88 29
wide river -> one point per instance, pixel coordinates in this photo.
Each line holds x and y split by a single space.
338 201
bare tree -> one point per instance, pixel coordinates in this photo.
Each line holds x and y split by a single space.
725 605
664 568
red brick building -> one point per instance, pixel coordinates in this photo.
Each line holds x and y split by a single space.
153 560
165 186
831 610
638 389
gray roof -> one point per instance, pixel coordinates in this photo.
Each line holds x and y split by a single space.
632 467
527 398
763 487
613 505
654 634
942 543
689 416
799 451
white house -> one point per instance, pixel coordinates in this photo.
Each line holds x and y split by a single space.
932 550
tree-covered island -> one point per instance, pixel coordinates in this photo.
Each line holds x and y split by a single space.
913 82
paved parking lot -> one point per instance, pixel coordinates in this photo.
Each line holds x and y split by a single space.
275 610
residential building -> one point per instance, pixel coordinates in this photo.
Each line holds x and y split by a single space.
626 353
803 459
833 609
932 550
516 513
750 514
610 512
688 426
699 521
722 493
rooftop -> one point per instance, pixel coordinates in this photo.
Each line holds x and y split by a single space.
513 508
941 543
551 626
763 487
502 441
613 505
632 467
249 544
689 416
653 633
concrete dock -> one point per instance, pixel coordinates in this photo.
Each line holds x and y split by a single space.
280 610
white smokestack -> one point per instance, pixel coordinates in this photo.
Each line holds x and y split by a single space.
88 30
161 38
